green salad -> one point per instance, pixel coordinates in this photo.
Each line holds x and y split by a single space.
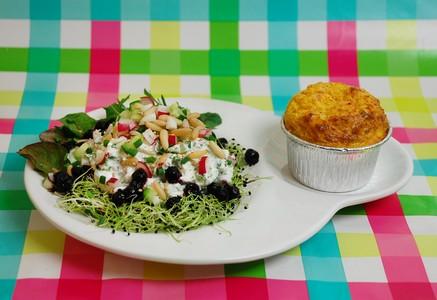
145 167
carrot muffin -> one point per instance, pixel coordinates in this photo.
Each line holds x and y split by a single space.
336 115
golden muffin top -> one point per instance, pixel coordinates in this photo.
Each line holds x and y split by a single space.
336 115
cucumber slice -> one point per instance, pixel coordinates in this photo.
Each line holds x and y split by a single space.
80 152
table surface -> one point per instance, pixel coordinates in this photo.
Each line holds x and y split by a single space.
62 56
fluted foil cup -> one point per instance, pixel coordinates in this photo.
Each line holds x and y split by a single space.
331 169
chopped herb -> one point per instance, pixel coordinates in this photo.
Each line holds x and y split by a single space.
102 179
150 159
185 160
105 143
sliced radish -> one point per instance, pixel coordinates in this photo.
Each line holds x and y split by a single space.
132 125
121 127
160 112
172 140
147 100
149 136
146 168
100 157
112 180
202 165
204 132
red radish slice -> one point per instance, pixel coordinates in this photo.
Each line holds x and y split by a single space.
159 113
132 125
147 100
172 140
202 165
204 132
122 127
112 180
146 168
100 157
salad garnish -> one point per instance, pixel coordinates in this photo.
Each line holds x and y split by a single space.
146 167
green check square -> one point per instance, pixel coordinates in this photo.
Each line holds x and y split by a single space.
13 59
223 10
44 59
224 35
402 63
21 200
226 88
135 61
372 63
415 205
313 63
224 63
283 63
164 62
250 269
428 63
75 60
254 63
194 62
352 210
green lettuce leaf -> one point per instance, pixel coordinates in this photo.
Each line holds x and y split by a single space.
115 109
45 157
78 123
211 120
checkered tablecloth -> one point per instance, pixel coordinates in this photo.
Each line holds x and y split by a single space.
62 56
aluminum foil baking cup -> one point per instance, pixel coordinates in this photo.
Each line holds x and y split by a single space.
331 169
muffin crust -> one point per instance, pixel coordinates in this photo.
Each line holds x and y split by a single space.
336 115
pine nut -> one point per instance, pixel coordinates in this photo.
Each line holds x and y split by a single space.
196 122
129 162
153 126
70 170
195 115
185 124
195 133
163 117
163 138
182 132
216 150
197 154
160 123
158 189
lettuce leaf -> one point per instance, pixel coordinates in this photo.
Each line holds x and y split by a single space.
211 120
45 157
78 123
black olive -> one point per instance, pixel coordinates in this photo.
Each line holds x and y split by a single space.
191 188
88 135
63 182
172 202
80 170
234 192
251 157
102 124
222 142
219 190
127 195
172 174
139 178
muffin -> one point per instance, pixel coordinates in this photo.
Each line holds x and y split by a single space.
334 134
336 115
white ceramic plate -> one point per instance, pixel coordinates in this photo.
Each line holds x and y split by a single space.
281 214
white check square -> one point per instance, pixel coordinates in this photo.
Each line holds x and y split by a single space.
40 265
417 185
195 85
134 84
364 269
61 111
426 34
312 35
71 82
429 87
194 35
253 35
12 81
14 33
394 119
371 35
352 224
135 34
255 85
75 34
305 81
422 224
378 86
284 267
430 264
